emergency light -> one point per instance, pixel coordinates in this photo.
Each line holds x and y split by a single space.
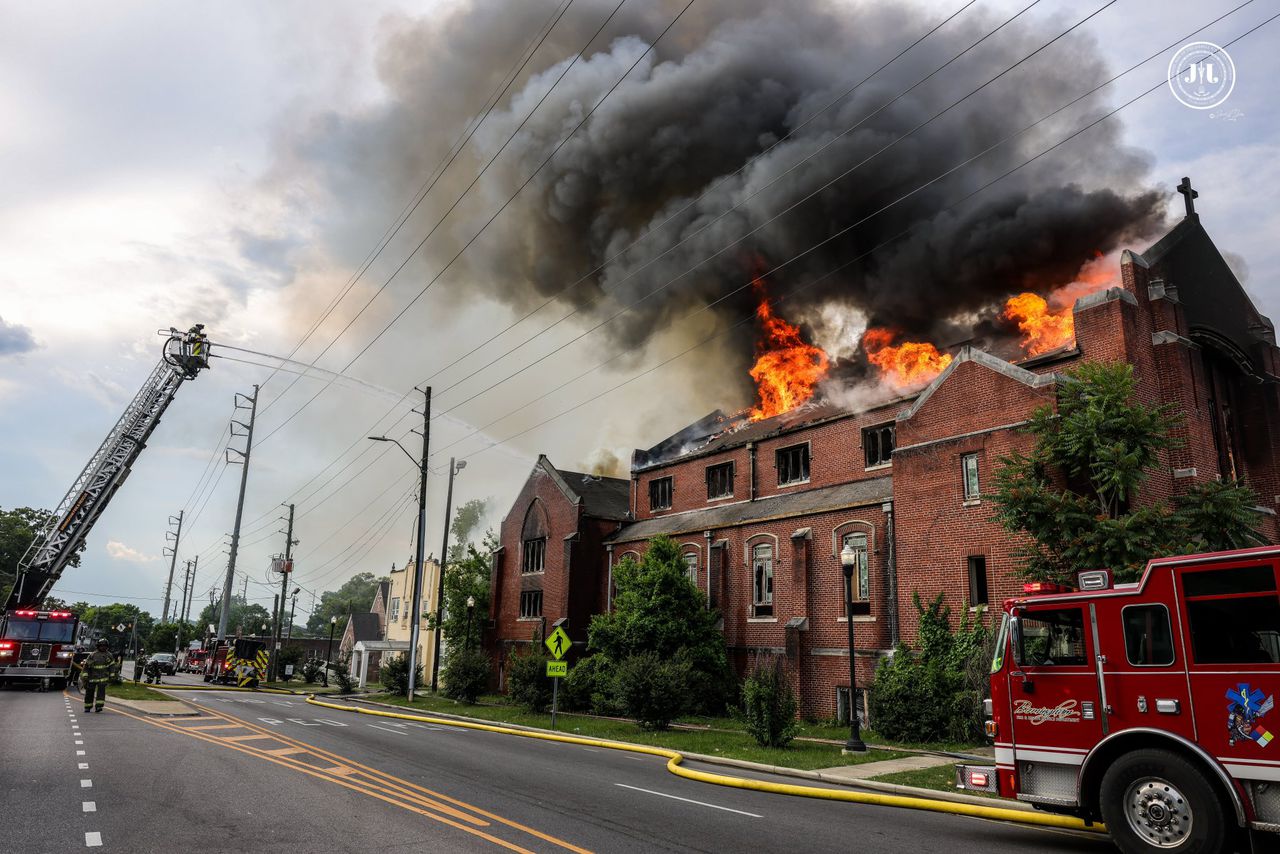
1094 579
1042 587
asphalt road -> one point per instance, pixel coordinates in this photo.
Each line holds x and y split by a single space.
258 772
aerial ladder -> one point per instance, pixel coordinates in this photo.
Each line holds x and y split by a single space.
185 354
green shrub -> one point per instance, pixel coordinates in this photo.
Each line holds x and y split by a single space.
769 703
527 682
394 674
290 654
312 671
653 690
933 695
591 687
341 671
466 674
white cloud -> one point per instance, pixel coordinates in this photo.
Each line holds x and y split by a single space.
119 551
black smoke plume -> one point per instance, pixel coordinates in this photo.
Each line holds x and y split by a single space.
701 118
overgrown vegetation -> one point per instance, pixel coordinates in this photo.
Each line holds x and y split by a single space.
341 672
291 654
312 671
1073 497
656 612
466 674
394 674
527 682
934 694
769 702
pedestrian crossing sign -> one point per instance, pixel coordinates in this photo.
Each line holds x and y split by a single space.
558 642
557 668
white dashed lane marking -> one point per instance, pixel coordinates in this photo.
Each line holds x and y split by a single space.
88 806
78 741
86 784
385 729
92 839
80 753
84 766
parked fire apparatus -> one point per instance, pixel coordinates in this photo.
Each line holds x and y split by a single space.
237 661
40 641
37 646
1147 705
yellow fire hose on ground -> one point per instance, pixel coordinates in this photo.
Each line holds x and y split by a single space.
673 765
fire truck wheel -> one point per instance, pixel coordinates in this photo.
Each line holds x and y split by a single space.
1154 800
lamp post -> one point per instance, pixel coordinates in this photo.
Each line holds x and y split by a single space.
328 658
471 607
416 622
455 466
848 560
292 606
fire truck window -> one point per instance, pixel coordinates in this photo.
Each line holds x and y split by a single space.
23 630
1148 637
1053 638
1238 630
1233 615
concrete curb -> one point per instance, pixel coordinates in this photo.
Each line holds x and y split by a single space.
869 785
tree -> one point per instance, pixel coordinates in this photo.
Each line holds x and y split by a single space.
18 528
353 597
162 637
657 610
1074 496
102 621
467 576
248 618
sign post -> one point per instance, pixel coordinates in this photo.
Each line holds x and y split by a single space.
558 643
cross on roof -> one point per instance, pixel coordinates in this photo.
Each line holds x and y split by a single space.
1189 196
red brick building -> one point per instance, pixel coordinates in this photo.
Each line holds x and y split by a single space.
548 565
762 512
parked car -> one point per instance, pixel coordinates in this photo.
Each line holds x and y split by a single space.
167 661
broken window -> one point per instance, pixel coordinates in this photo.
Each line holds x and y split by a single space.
691 567
861 577
535 555
793 464
762 580
977 579
660 493
531 603
969 469
877 444
720 480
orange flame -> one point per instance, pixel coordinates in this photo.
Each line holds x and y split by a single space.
1044 329
786 368
907 364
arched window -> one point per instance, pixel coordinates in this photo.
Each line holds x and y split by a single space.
861 576
762 580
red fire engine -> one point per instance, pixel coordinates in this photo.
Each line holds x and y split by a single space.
1148 705
37 646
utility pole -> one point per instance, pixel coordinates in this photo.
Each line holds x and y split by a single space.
195 566
416 621
172 538
179 613
285 569
292 606
454 468
252 406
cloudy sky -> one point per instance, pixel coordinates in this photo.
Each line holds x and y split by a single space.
171 163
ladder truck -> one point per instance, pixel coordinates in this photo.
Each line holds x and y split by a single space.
37 645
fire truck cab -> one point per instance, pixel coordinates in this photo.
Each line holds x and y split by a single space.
1146 705
37 646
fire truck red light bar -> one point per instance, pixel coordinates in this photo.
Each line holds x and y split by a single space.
1042 587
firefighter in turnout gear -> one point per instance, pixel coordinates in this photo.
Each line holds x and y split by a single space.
97 672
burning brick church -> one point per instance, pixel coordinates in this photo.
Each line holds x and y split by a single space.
762 504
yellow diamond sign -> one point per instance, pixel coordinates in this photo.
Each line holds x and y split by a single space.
558 643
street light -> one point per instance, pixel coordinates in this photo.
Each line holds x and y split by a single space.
471 606
848 560
421 465
328 659
455 466
292 606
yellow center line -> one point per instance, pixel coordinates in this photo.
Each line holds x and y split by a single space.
382 786
406 786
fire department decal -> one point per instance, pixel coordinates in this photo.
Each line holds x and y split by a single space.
1246 707
1068 711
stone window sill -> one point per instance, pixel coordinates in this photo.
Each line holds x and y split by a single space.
972 502
861 618
528 619
879 466
762 619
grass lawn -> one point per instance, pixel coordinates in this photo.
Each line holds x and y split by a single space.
941 778
805 755
136 691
